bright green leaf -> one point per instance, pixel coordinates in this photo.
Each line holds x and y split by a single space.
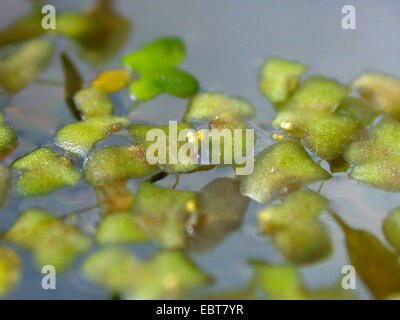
93 102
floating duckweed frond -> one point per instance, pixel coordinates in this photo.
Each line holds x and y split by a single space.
391 228
116 163
294 226
280 78
25 64
93 102
111 81
167 275
382 90
120 227
173 81
221 211
377 160
328 137
160 53
316 97
208 106
280 169
8 139
80 137
5 184
165 213
285 282
377 266
10 270
357 109
43 171
175 162
52 241
113 197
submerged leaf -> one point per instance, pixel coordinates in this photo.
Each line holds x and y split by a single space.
116 163
376 160
120 227
80 137
295 227
382 90
93 102
167 215
8 139
208 106
25 64
52 241
180 156
280 169
73 83
173 81
377 266
111 81
113 197
391 228
221 211
160 53
24 28
280 78
43 171
284 282
5 184
10 270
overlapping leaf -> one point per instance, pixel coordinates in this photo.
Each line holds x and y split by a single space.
8 139
93 102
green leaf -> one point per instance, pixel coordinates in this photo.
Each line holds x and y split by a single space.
376 159
24 28
167 275
280 169
73 83
391 228
10 270
25 64
209 106
8 139
279 78
284 282
377 266
357 109
317 97
80 137
173 81
381 90
43 171
221 211
5 184
295 227
120 227
169 157
160 53
52 241
167 215
93 102
116 163
100 33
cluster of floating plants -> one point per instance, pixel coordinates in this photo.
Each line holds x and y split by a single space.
353 128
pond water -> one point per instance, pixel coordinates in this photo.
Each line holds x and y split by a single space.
227 42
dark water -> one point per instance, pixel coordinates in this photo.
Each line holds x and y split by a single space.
227 42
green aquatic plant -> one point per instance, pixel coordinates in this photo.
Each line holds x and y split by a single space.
391 228
376 159
52 241
5 184
295 227
280 169
10 270
43 171
8 139
157 64
167 275
111 81
279 79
